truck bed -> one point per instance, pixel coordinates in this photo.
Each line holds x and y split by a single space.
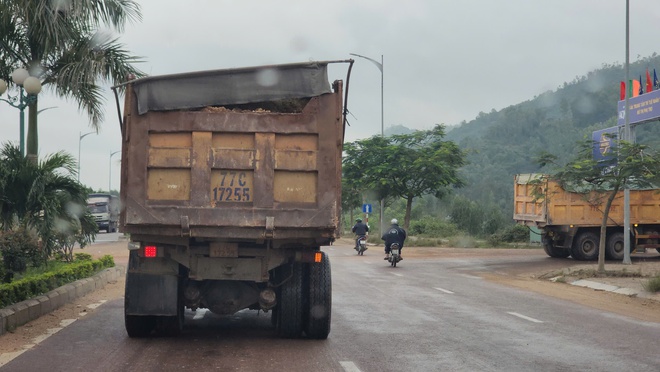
237 168
560 207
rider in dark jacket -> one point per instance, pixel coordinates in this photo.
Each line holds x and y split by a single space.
360 229
394 234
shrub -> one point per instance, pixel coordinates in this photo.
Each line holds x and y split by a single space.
82 257
433 227
652 285
18 249
511 234
25 288
515 233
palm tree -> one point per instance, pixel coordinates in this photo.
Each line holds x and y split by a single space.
43 197
61 43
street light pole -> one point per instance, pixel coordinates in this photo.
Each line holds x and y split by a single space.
382 115
628 137
110 171
80 137
26 84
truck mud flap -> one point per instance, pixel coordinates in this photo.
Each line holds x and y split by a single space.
151 294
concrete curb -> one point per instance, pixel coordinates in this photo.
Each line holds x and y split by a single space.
610 288
20 313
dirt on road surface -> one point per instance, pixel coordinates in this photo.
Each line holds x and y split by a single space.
531 277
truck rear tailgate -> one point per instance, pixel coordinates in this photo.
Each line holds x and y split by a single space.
220 172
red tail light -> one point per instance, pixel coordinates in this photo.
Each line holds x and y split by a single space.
150 251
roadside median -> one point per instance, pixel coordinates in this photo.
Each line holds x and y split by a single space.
21 313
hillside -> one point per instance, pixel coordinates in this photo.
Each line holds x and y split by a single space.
503 143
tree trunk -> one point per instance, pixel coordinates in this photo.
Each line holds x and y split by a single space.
32 146
406 219
603 230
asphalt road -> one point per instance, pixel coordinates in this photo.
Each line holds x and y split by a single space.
427 314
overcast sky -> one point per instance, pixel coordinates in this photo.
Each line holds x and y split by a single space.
444 60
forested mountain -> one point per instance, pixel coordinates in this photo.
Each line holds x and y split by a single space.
503 143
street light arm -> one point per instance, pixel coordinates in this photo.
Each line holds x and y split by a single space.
110 170
80 137
378 64
11 102
24 100
86 134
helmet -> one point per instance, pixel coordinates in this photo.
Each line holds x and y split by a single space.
395 221
358 220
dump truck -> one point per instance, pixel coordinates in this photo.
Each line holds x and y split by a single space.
230 186
570 222
105 210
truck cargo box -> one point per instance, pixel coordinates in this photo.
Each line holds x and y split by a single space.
544 202
570 222
250 153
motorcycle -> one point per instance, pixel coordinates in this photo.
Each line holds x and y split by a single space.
362 245
395 254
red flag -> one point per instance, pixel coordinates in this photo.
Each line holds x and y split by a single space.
649 83
622 91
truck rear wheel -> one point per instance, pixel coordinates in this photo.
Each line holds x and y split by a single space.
319 306
170 326
290 311
138 326
614 246
585 247
553 251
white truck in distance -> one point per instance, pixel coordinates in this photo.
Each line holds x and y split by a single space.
105 209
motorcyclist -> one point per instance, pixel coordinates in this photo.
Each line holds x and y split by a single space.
360 229
394 234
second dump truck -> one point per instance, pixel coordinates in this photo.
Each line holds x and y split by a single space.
231 184
570 223
105 210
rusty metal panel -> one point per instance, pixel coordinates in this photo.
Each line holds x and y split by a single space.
168 184
309 142
295 160
223 249
200 172
169 158
170 140
264 170
233 158
295 187
233 140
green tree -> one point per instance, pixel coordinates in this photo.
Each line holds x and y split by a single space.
351 196
406 165
43 197
467 215
633 165
61 43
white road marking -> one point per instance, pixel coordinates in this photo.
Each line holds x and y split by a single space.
8 357
396 274
470 276
349 366
94 306
443 290
525 317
